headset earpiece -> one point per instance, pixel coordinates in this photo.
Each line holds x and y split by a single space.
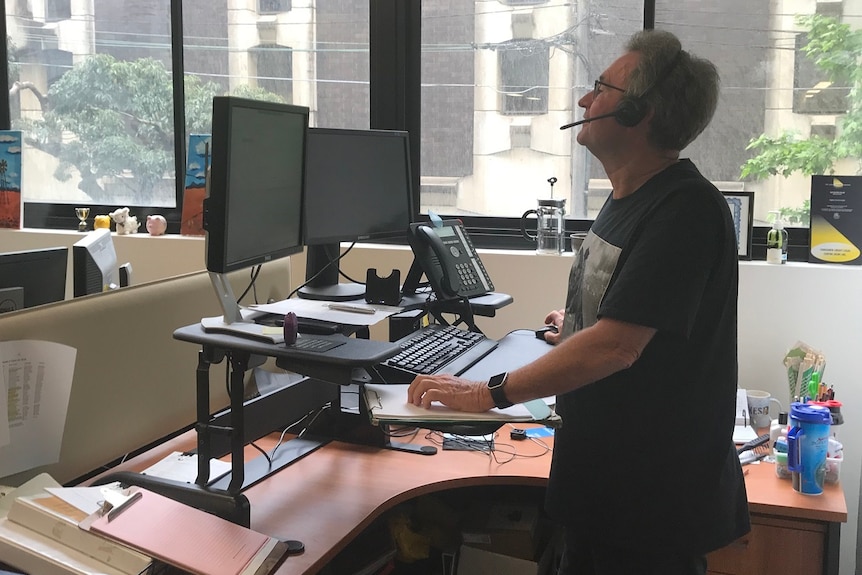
631 111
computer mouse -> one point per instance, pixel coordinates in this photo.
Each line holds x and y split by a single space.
540 333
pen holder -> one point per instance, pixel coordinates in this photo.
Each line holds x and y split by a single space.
386 291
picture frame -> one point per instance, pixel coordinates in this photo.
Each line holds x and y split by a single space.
741 206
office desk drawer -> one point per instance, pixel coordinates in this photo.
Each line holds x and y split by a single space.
775 545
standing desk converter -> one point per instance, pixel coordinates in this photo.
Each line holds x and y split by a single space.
225 497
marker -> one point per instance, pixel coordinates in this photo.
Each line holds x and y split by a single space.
351 308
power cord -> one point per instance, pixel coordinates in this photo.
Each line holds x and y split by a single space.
323 269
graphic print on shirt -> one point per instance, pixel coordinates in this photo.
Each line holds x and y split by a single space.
595 261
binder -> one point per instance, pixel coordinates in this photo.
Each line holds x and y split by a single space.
186 537
57 520
34 553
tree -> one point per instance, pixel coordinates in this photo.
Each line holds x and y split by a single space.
837 50
109 118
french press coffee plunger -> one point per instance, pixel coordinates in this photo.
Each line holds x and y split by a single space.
549 224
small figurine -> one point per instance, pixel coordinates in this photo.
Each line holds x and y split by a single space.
102 222
126 224
156 225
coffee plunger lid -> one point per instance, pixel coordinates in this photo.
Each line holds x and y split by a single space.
551 203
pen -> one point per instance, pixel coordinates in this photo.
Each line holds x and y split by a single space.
112 514
351 307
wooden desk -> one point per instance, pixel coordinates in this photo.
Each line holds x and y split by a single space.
330 496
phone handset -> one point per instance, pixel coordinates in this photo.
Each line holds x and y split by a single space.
439 257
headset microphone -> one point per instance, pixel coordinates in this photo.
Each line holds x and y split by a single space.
613 114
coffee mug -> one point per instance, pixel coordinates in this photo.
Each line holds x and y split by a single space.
758 407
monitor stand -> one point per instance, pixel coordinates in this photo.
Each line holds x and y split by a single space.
322 273
229 305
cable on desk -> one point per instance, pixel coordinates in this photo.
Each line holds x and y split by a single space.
314 414
491 448
401 431
537 441
323 269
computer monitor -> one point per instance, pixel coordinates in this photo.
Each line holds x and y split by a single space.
94 264
253 208
32 277
357 187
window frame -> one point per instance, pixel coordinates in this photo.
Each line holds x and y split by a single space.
395 81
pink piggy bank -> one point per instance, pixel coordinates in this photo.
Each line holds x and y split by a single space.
156 225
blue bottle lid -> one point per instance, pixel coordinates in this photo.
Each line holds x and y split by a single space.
810 413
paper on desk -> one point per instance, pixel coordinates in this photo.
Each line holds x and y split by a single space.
317 309
184 467
87 499
37 379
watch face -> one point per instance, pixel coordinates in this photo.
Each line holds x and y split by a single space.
497 380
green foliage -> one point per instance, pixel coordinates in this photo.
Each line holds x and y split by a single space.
837 50
109 118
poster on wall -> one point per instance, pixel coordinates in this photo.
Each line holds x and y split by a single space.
836 220
10 179
197 162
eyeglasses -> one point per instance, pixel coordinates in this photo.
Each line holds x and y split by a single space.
598 90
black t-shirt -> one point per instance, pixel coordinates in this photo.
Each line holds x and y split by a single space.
646 455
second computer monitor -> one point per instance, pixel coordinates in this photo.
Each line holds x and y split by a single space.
94 264
357 187
33 277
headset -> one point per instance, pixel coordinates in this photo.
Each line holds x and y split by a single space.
631 110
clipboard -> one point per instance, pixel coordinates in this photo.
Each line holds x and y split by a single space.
185 537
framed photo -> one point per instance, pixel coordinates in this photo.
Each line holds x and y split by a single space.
741 206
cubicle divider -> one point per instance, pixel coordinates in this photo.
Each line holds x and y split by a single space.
133 383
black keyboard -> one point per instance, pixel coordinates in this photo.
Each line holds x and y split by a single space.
435 349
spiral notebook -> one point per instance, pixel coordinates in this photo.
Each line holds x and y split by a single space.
388 404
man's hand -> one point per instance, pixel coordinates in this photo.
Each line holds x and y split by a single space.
451 391
555 318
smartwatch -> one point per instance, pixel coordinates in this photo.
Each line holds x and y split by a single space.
498 392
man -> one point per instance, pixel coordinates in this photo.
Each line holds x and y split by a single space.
644 478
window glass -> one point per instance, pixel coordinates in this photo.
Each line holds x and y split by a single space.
313 54
788 76
90 88
92 94
498 80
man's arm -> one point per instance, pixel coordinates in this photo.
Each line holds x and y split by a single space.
591 354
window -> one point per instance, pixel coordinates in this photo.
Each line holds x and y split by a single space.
273 6
523 73
96 116
496 79
56 10
273 69
814 92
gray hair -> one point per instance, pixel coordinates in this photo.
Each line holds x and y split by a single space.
681 89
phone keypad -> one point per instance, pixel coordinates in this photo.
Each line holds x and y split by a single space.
466 275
